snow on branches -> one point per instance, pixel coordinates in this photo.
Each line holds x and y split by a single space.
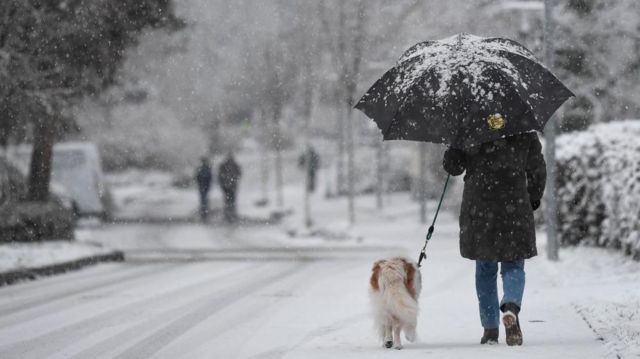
599 186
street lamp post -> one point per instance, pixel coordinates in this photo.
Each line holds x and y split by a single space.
550 147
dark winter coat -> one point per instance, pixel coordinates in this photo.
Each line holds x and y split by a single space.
503 185
229 174
203 177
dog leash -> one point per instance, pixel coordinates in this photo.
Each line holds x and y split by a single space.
423 253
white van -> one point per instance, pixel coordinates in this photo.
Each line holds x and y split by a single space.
77 168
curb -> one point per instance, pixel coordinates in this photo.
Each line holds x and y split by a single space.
11 277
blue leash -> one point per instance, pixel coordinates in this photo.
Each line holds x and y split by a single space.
423 254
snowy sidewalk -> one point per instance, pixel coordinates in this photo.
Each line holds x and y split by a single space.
602 288
328 316
28 260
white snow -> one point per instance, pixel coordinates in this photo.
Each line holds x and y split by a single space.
599 189
14 256
601 286
210 291
466 53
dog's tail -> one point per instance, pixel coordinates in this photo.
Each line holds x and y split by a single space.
395 294
398 300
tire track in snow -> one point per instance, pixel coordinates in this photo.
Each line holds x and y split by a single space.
204 308
49 343
103 347
254 309
82 297
118 279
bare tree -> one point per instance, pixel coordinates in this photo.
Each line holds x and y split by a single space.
308 161
380 185
346 42
52 55
307 47
422 180
264 155
281 73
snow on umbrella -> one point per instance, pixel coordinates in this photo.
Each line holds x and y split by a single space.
462 91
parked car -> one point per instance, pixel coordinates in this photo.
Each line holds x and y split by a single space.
77 168
23 220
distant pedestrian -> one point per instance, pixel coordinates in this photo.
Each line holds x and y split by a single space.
229 175
203 179
310 160
503 185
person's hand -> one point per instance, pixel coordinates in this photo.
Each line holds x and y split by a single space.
535 205
454 161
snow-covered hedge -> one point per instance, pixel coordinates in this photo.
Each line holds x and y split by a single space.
599 186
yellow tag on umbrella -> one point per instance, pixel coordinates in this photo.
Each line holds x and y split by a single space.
496 121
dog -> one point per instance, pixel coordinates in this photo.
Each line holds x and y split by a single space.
394 289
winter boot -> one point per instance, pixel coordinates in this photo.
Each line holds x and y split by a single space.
490 336
511 323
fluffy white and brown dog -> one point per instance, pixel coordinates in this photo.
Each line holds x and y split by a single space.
394 288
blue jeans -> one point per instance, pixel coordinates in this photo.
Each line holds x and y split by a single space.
487 288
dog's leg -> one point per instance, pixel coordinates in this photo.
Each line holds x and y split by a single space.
388 342
410 332
396 336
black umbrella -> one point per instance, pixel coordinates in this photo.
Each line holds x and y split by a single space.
462 91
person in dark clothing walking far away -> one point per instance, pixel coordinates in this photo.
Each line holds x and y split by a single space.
310 160
203 178
503 185
229 174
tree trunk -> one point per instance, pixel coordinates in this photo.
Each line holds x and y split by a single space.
41 161
278 164
422 181
385 165
352 72
351 167
340 182
264 157
379 174
341 62
308 103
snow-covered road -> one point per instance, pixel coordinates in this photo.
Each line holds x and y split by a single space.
193 291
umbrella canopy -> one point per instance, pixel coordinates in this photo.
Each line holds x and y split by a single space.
462 91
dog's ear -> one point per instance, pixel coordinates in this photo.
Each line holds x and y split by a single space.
375 272
410 270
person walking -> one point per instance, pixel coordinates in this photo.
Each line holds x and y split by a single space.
484 98
310 161
503 186
229 174
203 179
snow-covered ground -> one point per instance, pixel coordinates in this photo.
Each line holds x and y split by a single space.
14 256
602 287
190 290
